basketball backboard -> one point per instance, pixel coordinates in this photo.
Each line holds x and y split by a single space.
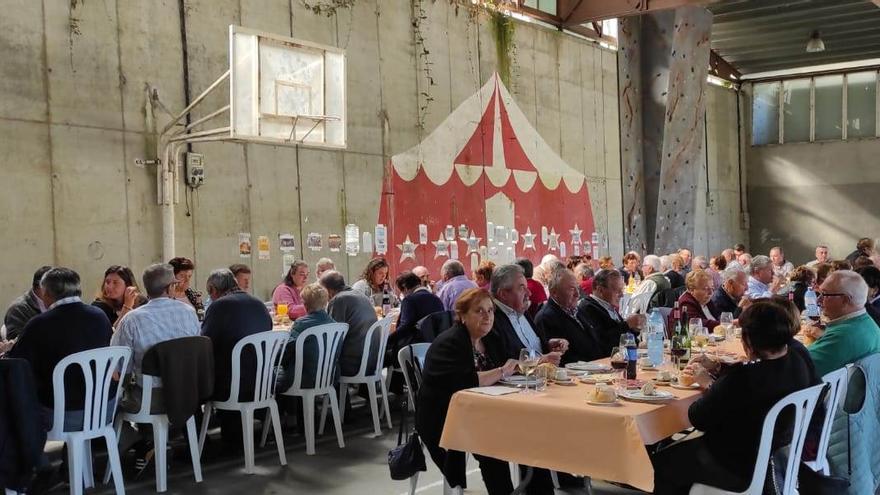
285 91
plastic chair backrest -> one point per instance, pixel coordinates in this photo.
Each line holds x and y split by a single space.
329 339
804 401
98 367
268 347
383 326
410 375
639 302
836 381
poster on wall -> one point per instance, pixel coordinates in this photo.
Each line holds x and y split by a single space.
490 232
367 242
475 262
450 233
500 233
562 251
545 235
244 244
286 243
287 259
453 250
352 239
263 247
334 242
381 239
576 249
423 234
462 231
315 241
514 236
553 240
407 250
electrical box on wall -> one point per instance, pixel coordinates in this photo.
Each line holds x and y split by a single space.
195 169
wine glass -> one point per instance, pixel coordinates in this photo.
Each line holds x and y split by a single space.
528 361
726 323
701 337
618 363
693 323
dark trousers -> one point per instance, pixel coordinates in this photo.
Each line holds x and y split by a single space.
678 467
495 472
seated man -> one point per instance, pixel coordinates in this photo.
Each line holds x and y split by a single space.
322 266
599 311
454 283
232 316
851 334
781 266
674 271
68 326
25 306
537 293
425 276
558 319
162 318
727 298
417 303
821 256
242 275
584 275
654 281
762 282
356 309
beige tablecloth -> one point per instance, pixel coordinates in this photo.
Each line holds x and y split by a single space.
557 429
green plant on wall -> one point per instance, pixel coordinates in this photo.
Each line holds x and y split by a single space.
505 46
327 7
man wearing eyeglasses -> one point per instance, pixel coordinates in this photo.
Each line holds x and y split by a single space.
851 334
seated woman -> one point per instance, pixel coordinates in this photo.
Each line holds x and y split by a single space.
288 291
374 283
483 275
800 279
183 292
119 293
315 299
457 360
731 412
697 300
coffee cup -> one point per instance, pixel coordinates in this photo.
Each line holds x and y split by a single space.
664 376
562 374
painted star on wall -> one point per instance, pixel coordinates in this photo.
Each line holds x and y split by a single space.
442 247
553 239
407 250
529 239
473 243
576 234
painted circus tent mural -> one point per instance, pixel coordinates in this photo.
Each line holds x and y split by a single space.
485 185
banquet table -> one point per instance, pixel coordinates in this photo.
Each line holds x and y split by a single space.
556 429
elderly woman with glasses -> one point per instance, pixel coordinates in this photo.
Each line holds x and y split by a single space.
697 300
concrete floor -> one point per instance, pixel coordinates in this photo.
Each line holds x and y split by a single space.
360 468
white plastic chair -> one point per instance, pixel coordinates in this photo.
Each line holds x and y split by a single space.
836 381
804 401
329 339
268 347
639 303
403 358
383 326
97 367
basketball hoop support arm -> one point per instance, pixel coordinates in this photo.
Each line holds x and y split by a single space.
171 143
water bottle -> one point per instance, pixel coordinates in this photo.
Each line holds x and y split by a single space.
655 338
811 304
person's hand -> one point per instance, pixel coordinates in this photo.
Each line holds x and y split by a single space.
130 297
777 284
637 321
813 331
558 345
745 302
707 362
551 357
6 345
700 374
509 368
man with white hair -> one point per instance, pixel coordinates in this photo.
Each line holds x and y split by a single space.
727 297
686 256
781 267
729 255
323 265
558 319
424 275
655 281
761 278
821 256
851 334
454 283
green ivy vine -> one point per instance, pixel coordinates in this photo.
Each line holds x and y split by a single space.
505 46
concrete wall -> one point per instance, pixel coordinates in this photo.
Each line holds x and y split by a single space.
72 121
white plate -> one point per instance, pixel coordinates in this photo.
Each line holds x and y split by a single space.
637 395
598 378
566 383
585 366
605 404
576 373
693 386
519 381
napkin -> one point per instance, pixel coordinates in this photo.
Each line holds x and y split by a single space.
494 390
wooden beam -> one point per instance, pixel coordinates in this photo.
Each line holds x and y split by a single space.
719 67
597 10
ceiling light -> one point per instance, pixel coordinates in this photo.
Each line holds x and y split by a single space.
815 44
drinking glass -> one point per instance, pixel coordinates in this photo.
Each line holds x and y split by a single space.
726 323
701 337
528 361
693 323
618 363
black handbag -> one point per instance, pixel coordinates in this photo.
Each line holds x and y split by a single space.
407 459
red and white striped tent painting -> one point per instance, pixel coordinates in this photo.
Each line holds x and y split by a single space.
484 163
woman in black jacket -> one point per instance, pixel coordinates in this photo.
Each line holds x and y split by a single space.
457 360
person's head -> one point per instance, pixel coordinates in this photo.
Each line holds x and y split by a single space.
665 263
871 275
183 271
777 256
699 263
651 264
59 283
606 263
476 311
315 297
822 272
423 274
333 281
563 288
685 256
766 329
802 274
221 282
718 263
297 274
745 260
631 261
158 280
451 269
583 271
527 267
865 246
676 262
794 314
407 282
735 281
861 261
843 292
699 285
729 255
762 269
573 261
323 265
547 259
38 275
483 273
540 275
116 279
739 249
509 287
840 265
242 275
551 268
376 273
821 253
608 285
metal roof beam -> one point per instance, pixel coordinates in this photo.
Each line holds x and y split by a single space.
579 12
804 61
865 26
810 19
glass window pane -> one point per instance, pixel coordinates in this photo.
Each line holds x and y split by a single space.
548 6
796 108
861 104
765 114
829 107
531 3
